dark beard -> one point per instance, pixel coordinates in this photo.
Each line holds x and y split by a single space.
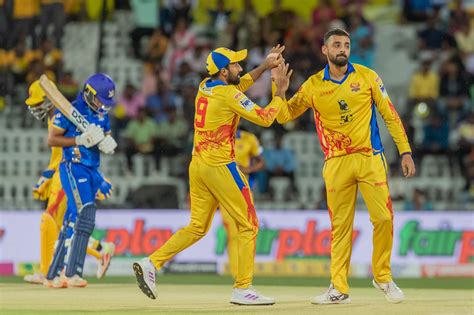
339 62
233 80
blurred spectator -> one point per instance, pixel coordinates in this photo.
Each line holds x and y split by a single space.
182 42
139 136
157 46
416 10
281 162
362 50
171 135
25 12
248 26
198 57
3 26
454 87
323 13
280 20
424 84
465 42
36 69
52 13
435 141
68 86
219 18
464 138
52 58
145 14
185 78
458 17
132 100
431 37
181 9
157 102
18 61
419 201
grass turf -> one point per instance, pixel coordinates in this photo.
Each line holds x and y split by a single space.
197 279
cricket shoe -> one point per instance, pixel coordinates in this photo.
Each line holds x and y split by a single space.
250 296
36 278
392 292
145 274
57 283
76 281
332 296
107 253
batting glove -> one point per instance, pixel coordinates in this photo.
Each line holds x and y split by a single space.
108 145
91 136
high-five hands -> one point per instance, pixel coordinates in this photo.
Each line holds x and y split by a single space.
282 79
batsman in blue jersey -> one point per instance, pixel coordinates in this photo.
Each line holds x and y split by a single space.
81 177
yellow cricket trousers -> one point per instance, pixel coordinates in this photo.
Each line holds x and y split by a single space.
211 186
343 176
51 222
232 241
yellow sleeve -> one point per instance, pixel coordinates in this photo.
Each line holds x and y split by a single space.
389 114
246 82
296 106
244 107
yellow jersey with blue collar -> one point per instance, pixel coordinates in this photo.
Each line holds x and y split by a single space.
247 147
345 112
218 108
56 152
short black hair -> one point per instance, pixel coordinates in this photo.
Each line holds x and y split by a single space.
335 31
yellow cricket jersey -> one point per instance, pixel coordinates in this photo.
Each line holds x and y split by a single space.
56 152
345 112
247 146
218 108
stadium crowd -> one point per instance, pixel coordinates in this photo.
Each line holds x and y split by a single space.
155 117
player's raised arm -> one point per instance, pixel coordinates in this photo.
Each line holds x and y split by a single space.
247 109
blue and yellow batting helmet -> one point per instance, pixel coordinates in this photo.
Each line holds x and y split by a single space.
221 57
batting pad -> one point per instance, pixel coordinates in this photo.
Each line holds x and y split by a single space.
82 230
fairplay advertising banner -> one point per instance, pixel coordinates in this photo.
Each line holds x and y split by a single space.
425 243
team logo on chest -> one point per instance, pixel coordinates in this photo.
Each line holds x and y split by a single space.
355 86
344 112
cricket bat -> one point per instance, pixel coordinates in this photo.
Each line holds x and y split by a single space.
61 103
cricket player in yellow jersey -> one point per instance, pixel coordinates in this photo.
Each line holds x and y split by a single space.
345 98
215 179
249 159
49 188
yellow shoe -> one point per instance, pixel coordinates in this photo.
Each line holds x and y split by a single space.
36 278
76 282
108 252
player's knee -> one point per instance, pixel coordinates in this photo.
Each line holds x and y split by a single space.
383 219
198 229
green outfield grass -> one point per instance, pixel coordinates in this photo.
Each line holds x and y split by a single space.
438 283
126 298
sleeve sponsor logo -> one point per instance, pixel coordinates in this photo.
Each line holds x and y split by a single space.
246 103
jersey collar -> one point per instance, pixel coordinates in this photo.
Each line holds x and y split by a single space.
212 83
327 76
238 134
